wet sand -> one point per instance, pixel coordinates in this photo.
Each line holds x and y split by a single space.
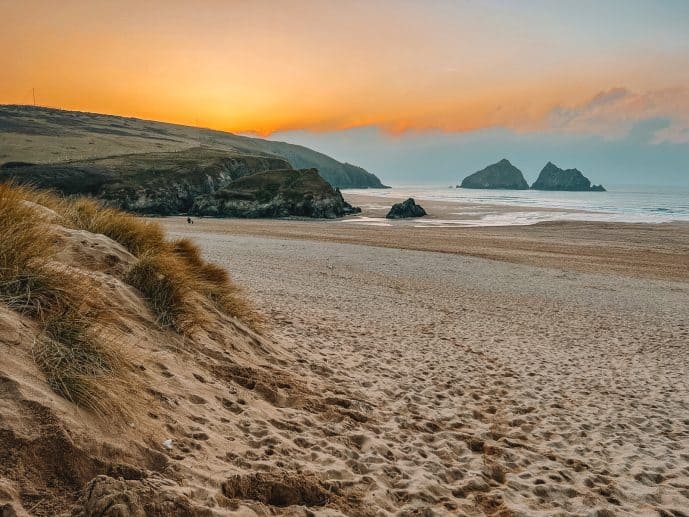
637 250
549 381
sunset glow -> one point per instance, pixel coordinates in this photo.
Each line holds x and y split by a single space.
402 66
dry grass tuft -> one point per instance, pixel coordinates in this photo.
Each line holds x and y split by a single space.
163 279
79 365
172 275
168 274
26 284
78 361
190 252
215 283
136 235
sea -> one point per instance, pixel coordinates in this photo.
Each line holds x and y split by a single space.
477 207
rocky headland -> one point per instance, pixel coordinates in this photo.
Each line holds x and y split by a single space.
199 181
275 193
47 135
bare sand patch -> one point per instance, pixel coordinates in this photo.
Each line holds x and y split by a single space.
475 387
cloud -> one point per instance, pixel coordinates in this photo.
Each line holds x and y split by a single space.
614 113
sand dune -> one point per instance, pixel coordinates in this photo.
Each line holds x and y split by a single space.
385 382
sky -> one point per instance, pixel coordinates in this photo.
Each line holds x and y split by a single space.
414 91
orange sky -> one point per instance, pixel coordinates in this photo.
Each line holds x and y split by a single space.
267 66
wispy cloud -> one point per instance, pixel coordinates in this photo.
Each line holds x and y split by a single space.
614 113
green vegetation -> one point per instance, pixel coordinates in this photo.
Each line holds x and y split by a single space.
154 183
45 135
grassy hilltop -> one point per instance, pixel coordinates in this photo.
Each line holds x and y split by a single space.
46 135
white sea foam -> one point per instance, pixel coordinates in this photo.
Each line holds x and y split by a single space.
631 205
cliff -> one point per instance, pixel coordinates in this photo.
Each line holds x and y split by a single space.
554 178
204 181
275 193
500 175
339 175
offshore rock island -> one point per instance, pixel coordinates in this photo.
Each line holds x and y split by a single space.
554 178
504 175
500 175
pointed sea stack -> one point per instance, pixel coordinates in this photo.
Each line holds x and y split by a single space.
501 175
554 178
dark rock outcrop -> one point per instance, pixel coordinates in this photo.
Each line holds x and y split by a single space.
150 183
501 175
554 178
200 181
406 209
280 193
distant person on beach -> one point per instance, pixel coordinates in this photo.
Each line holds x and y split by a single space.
189 221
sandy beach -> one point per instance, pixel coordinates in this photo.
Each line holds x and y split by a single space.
485 371
636 250
206 312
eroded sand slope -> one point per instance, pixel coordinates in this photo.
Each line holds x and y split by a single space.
193 437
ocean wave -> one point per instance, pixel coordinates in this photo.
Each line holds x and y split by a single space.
531 207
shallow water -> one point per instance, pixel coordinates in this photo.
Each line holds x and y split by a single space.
621 204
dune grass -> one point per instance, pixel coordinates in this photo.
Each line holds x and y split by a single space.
174 278
169 274
136 235
69 349
79 362
215 283
170 290
72 350
24 248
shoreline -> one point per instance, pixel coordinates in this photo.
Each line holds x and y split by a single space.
645 250
458 209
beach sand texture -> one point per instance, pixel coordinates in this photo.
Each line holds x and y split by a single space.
635 250
473 386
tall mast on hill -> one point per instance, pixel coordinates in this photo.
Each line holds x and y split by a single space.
33 92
